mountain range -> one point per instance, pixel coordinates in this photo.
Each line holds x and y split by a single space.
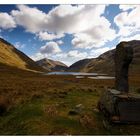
105 62
10 56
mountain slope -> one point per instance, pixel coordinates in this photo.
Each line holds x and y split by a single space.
52 65
10 56
105 62
79 65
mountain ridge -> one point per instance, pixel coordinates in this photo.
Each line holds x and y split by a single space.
11 56
52 65
105 62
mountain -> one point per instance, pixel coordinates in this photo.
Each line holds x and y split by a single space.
79 65
10 56
105 62
52 65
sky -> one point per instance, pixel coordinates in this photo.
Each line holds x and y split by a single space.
68 33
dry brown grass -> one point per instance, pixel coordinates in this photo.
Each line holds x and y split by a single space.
4 104
39 104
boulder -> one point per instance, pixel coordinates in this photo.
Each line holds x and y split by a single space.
120 108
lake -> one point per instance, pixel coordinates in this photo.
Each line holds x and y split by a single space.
81 75
71 73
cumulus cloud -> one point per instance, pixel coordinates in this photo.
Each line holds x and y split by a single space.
60 42
32 19
85 22
127 7
6 21
78 20
134 37
49 36
94 37
73 19
96 52
70 57
76 53
128 21
50 48
61 19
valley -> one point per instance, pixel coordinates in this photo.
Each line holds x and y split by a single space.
32 103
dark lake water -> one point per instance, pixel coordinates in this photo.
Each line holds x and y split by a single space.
81 75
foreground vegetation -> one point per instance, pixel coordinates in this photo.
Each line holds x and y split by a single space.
43 105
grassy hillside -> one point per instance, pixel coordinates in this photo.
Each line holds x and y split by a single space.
79 66
10 56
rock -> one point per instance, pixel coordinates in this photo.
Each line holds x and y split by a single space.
123 57
77 110
96 110
120 108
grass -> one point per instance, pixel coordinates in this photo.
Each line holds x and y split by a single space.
40 105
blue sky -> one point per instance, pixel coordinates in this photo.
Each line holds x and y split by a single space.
68 33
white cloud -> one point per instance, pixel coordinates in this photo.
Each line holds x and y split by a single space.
49 36
134 37
32 19
79 20
6 21
128 22
69 57
73 19
84 21
96 52
82 41
61 19
37 56
94 37
60 42
18 45
50 48
77 54
127 7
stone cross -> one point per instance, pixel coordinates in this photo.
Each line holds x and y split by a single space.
123 57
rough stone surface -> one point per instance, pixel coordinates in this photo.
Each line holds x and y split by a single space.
123 57
76 110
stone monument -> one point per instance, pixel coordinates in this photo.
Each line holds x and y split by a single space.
119 105
123 57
